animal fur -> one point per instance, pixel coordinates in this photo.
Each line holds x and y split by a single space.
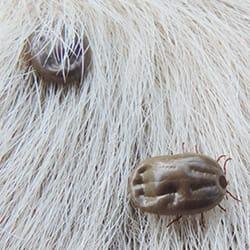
163 73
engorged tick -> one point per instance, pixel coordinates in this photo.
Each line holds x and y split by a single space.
181 184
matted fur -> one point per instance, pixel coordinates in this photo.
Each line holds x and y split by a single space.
163 73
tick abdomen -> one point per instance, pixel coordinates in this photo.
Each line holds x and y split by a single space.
179 184
59 62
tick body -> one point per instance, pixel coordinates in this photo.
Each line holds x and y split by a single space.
59 63
181 184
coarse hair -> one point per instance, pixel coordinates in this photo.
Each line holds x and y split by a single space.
162 73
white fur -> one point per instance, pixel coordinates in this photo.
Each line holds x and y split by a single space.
164 72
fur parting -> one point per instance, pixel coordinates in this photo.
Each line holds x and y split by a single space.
163 73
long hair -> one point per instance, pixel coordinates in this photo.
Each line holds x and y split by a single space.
160 73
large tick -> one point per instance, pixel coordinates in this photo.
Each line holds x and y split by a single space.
181 184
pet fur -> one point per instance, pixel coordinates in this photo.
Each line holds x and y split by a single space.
163 73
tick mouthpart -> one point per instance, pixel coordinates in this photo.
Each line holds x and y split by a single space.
223 181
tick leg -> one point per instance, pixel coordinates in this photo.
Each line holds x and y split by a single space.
197 149
232 196
225 164
175 220
222 208
221 156
203 220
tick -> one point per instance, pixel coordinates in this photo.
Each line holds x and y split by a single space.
58 63
181 184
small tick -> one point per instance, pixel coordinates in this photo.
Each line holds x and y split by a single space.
59 63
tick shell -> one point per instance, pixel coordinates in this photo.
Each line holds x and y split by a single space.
58 63
178 184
